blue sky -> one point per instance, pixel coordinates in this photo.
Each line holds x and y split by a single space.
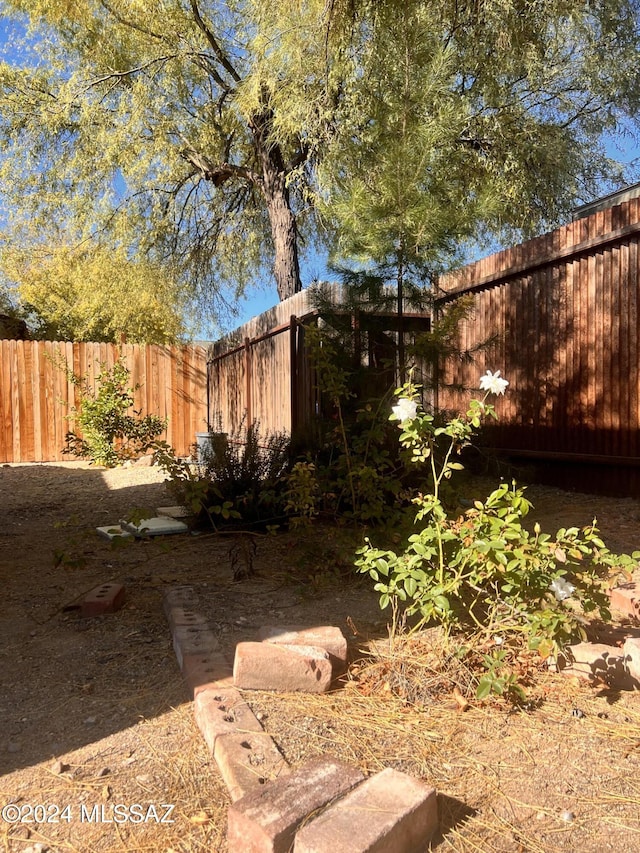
258 300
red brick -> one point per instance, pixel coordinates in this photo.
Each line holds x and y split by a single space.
206 670
596 662
388 813
267 666
222 712
193 640
626 599
103 599
266 820
631 652
246 761
179 596
326 637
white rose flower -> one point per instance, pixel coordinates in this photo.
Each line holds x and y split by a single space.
406 410
562 589
493 383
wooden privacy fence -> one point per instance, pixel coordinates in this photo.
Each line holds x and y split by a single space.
563 312
262 372
36 394
266 378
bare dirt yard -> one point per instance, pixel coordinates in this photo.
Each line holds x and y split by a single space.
97 738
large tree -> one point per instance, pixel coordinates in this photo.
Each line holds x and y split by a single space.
124 115
212 132
441 120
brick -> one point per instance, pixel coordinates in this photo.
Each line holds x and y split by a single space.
326 637
266 820
209 669
193 640
247 761
389 813
179 596
626 599
186 617
631 651
596 662
267 666
103 599
221 712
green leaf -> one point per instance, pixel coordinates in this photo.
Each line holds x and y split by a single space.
410 586
383 566
484 687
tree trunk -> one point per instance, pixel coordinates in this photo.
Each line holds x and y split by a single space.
286 267
284 233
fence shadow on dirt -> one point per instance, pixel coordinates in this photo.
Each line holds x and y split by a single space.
67 681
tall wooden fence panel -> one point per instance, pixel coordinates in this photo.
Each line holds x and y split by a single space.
36 395
261 371
561 315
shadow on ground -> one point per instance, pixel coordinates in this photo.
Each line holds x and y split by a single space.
67 681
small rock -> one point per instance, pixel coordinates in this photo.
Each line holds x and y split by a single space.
567 816
59 767
144 461
105 771
90 721
577 713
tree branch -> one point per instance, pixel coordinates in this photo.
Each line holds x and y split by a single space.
222 58
120 74
218 174
130 24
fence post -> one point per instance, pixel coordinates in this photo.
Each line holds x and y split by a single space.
247 380
293 371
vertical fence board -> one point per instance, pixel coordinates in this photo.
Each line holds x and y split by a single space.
37 394
570 322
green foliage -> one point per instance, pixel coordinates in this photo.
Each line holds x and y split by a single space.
136 137
195 492
358 467
93 294
436 121
185 130
484 570
499 679
241 476
302 494
109 433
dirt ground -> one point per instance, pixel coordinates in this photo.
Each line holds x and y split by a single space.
96 726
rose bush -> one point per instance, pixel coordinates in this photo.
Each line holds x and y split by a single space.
483 570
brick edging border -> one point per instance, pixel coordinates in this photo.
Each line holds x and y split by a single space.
324 805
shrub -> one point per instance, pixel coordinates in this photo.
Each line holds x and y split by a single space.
111 432
359 468
484 571
241 476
